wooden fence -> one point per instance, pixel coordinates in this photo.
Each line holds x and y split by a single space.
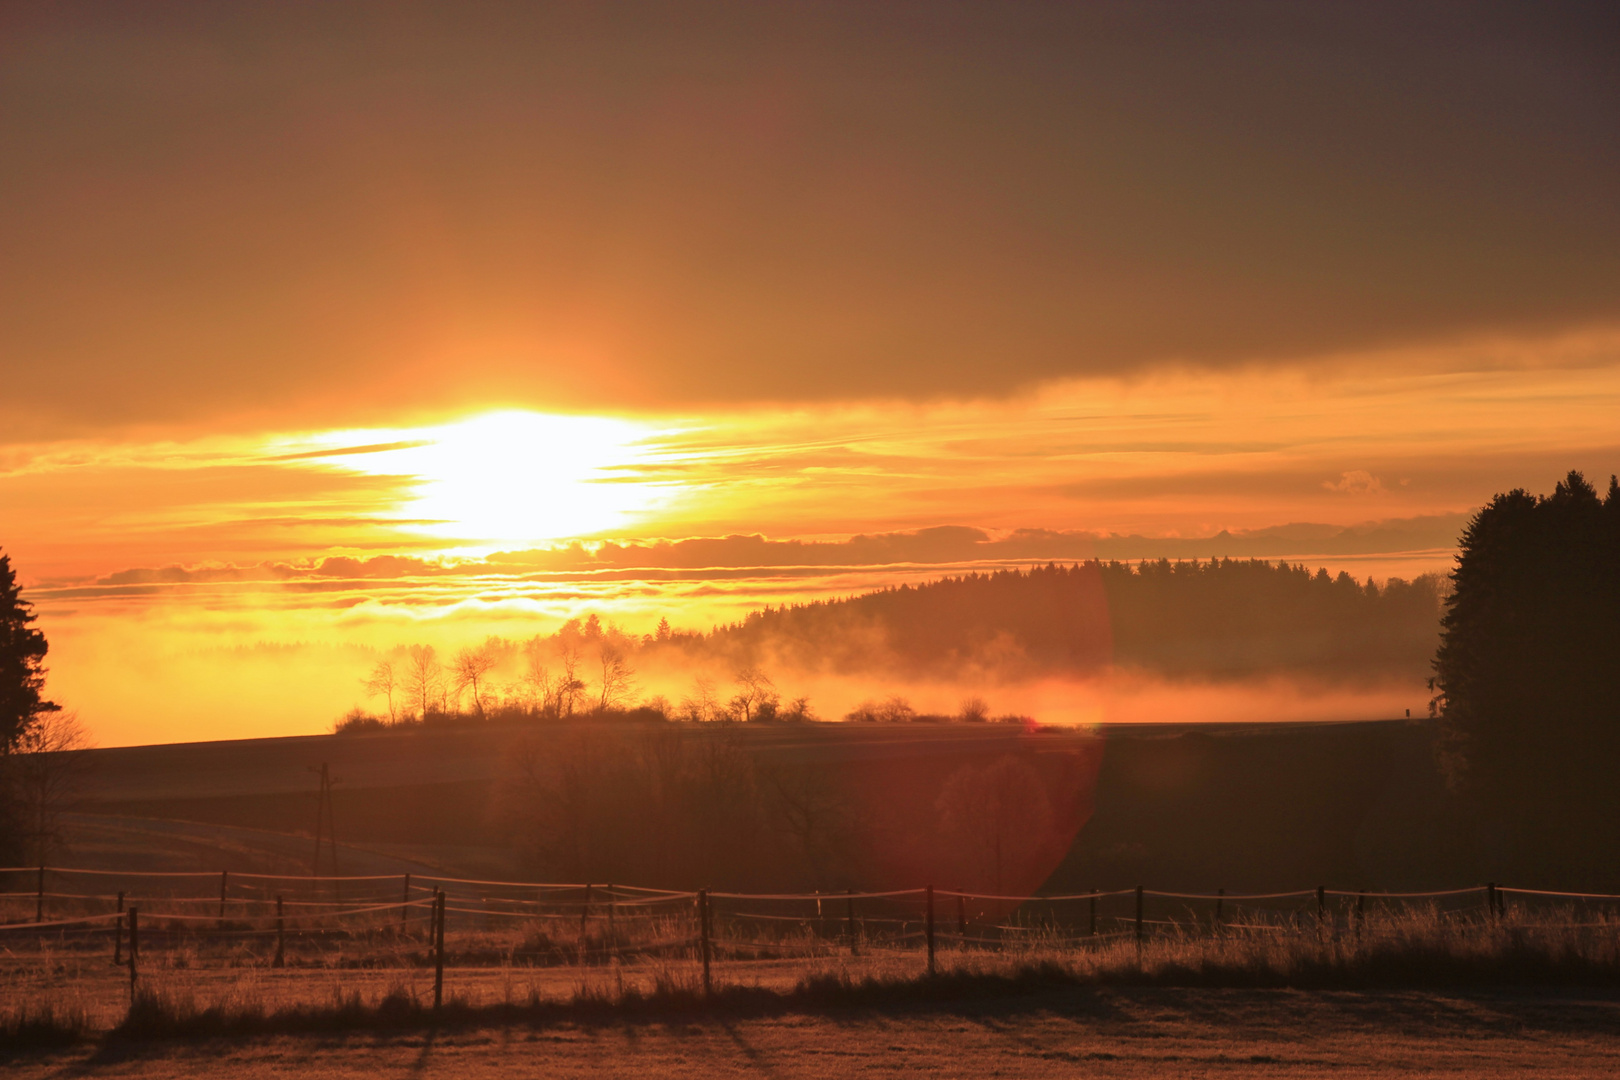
282 920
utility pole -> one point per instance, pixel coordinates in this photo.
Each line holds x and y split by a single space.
324 827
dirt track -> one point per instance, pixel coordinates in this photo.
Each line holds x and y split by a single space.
1116 1033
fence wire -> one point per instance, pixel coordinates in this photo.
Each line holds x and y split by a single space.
400 920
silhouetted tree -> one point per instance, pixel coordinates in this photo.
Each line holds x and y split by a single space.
756 697
472 667
424 679
1525 674
381 682
974 710
44 769
569 687
702 704
618 680
23 706
539 686
22 662
891 710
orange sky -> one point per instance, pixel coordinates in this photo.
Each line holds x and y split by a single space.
282 285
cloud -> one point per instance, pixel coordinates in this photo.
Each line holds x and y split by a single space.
943 548
378 210
1356 482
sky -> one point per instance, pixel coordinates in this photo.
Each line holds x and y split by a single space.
330 327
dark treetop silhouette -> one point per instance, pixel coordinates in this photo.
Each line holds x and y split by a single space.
1525 673
22 678
22 661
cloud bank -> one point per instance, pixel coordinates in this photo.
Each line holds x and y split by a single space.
347 212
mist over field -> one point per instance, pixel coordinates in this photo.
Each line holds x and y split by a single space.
1076 644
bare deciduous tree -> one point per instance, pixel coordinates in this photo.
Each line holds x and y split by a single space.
473 665
974 710
46 764
618 678
382 682
570 687
702 704
891 710
756 694
424 679
538 684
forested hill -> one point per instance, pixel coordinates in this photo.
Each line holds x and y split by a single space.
1218 619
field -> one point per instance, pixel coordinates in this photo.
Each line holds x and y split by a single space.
1244 807
1108 1032
1292 985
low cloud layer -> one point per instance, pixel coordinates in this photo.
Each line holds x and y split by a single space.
944 547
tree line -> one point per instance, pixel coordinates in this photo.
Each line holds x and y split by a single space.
1216 619
587 668
1222 618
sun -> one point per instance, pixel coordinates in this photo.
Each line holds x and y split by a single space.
512 475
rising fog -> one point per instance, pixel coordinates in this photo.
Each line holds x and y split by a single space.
1085 644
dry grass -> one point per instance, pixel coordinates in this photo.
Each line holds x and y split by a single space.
199 992
49 1023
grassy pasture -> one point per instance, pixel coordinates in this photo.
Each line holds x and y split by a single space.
542 973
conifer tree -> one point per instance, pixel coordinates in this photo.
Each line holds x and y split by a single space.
1530 720
22 661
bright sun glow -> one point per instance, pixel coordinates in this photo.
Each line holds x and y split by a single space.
511 476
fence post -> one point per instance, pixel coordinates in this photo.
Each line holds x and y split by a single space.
850 901
405 910
1361 913
930 931
610 913
438 949
1490 900
584 914
134 949
703 938
1139 919
961 919
224 882
1321 910
118 932
1092 915
281 937
39 903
